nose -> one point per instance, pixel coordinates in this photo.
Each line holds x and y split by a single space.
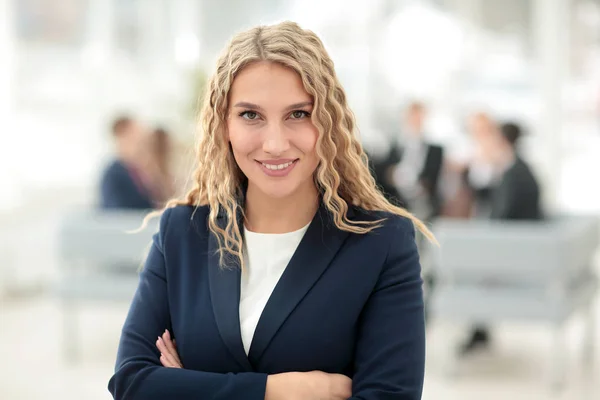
275 141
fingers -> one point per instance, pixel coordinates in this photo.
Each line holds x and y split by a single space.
166 359
165 362
171 346
169 357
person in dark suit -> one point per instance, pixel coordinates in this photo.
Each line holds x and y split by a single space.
416 165
122 185
517 197
284 273
514 196
381 169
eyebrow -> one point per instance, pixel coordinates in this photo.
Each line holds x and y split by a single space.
251 106
299 105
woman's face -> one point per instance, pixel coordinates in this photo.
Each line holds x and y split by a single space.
270 130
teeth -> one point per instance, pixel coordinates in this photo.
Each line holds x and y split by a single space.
277 167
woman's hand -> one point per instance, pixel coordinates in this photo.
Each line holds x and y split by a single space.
168 351
314 385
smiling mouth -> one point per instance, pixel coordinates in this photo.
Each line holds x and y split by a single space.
277 167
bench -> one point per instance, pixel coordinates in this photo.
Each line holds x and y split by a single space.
498 271
100 259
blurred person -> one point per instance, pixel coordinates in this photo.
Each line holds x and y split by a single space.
381 171
515 196
284 273
415 170
490 178
479 174
157 173
469 175
122 185
419 164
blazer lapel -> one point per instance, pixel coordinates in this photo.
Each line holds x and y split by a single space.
225 297
315 252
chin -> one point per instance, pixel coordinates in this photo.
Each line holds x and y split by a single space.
278 190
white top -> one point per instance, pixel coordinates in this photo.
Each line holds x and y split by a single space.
266 256
406 173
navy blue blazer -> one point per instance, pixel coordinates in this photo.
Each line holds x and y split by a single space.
346 303
119 191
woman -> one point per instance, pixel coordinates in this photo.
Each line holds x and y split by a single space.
284 274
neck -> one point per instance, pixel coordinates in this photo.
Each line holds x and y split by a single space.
506 160
126 157
265 214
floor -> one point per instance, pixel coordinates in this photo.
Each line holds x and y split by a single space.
30 328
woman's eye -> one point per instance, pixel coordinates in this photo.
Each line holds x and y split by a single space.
299 114
250 115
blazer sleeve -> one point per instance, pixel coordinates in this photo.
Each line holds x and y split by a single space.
138 372
390 352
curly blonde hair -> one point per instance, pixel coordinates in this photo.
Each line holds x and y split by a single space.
342 177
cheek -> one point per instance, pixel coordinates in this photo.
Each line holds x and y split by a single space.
242 140
307 141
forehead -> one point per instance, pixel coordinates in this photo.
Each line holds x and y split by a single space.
268 84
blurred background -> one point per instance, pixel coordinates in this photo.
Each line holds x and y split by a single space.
84 81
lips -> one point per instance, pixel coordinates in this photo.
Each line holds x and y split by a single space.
277 168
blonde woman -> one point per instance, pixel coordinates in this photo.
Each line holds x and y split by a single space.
284 273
